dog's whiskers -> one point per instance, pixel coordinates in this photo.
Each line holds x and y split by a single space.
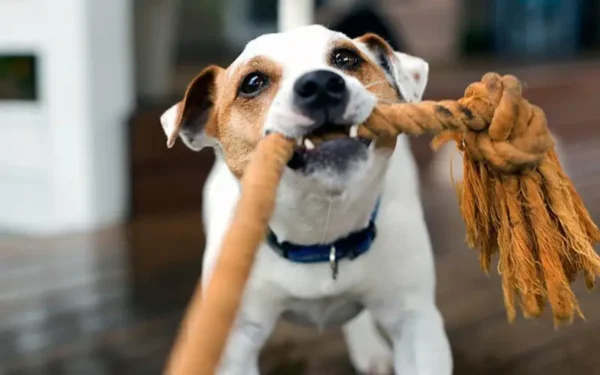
372 84
387 101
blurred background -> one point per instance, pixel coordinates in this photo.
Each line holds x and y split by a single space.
100 225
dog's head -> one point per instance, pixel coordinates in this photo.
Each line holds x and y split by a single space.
307 82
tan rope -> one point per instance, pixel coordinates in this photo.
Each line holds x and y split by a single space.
495 122
207 323
515 198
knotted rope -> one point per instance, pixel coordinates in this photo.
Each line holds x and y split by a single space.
515 200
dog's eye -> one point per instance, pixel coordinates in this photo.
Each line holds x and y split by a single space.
253 84
345 59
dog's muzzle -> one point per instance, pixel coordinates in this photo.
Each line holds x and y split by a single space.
322 96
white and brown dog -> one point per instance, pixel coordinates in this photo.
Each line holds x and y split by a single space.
348 243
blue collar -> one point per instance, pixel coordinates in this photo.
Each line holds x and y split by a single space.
351 246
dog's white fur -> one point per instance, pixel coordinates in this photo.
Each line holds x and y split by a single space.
394 280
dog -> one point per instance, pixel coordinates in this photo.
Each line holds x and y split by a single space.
348 245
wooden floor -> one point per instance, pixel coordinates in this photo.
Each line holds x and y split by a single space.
87 304
71 306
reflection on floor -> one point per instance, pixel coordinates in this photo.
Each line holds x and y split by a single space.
71 306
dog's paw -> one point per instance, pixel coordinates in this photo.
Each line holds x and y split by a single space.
370 353
373 360
380 366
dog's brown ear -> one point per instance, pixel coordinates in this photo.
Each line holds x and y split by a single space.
409 74
193 118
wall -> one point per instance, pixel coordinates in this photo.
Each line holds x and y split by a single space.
63 158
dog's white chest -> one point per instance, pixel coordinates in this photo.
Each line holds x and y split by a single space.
323 312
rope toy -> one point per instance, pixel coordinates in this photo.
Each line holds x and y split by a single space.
515 200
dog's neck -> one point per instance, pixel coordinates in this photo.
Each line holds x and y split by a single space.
307 213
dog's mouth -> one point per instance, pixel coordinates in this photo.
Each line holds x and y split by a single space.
330 141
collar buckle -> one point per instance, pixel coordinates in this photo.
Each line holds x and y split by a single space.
333 262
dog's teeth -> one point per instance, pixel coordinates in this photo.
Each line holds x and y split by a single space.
354 131
308 144
299 141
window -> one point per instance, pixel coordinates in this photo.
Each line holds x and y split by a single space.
18 77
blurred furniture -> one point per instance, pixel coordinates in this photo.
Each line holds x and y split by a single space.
164 181
166 197
63 159
419 23
245 20
363 19
156 30
531 29
537 28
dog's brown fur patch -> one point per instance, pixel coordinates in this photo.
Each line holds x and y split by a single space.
373 77
369 73
241 118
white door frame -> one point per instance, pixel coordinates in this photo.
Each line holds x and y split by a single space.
295 13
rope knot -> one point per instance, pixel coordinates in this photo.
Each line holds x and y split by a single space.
509 133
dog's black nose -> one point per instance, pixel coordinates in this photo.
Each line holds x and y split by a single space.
321 91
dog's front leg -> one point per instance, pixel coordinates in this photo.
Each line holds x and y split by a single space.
418 337
251 330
